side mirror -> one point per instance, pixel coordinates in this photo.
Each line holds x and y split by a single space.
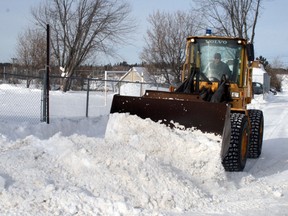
250 52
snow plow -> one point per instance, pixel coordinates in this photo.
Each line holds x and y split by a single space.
213 96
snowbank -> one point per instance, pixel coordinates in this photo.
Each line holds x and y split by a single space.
124 165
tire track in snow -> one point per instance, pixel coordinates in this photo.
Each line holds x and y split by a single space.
277 124
274 158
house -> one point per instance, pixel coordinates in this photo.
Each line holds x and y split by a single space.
135 82
259 75
137 74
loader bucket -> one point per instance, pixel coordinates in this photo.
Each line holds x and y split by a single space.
186 109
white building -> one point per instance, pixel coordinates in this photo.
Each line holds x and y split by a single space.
259 75
136 74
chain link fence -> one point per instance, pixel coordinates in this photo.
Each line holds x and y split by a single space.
22 97
89 97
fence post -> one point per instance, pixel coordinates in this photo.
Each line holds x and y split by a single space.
4 75
44 94
47 84
119 87
87 98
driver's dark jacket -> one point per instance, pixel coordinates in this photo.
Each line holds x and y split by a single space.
219 69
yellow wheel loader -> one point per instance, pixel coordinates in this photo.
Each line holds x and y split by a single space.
213 96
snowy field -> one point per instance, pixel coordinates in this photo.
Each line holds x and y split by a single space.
124 165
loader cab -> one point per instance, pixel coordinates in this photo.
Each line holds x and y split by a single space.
213 57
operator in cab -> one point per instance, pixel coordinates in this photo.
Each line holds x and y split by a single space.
218 68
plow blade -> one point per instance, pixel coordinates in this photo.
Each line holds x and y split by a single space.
170 107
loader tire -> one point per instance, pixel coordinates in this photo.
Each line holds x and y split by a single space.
256 136
235 160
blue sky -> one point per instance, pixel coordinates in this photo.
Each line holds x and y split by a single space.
270 41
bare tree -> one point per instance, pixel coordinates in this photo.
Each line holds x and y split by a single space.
81 30
165 41
230 17
31 49
31 52
274 70
277 63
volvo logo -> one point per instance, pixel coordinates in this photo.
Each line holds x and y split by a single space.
216 42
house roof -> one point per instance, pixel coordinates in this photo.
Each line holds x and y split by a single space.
141 71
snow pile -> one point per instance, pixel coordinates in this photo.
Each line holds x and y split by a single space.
132 89
184 149
137 89
169 161
124 165
141 167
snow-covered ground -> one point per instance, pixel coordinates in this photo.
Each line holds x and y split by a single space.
124 165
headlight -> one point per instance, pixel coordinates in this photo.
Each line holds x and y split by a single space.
235 94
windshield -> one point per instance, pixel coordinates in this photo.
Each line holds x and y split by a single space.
218 58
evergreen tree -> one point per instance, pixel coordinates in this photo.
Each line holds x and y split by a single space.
263 61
